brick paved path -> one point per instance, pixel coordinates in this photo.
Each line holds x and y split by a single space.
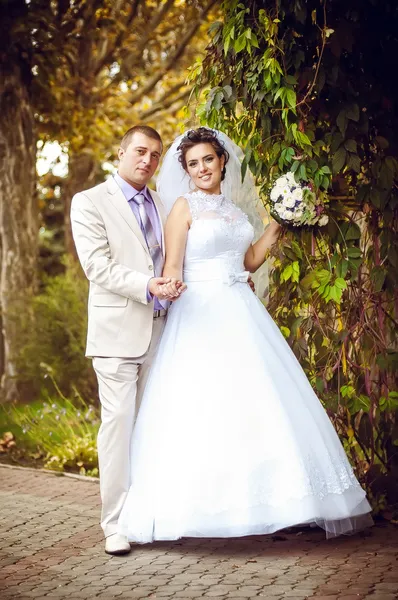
52 547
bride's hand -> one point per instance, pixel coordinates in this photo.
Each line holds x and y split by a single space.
251 283
158 286
167 288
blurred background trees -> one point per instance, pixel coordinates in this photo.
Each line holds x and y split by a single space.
79 73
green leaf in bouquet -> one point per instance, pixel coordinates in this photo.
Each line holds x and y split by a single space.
309 196
295 166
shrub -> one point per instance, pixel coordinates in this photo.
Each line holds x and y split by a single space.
54 335
62 431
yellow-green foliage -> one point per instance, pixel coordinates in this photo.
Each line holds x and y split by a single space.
307 88
54 335
62 432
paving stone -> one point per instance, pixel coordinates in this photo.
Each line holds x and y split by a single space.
52 548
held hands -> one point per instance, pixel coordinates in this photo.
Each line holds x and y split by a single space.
166 288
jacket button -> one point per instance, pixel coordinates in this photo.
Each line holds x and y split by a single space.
150 267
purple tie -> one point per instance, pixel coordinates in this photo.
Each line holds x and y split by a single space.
153 244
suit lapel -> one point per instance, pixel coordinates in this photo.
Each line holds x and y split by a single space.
118 200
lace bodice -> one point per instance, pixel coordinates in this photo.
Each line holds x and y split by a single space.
218 239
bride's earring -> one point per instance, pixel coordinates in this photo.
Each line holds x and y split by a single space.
191 188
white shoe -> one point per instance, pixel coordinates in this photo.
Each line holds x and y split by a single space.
117 544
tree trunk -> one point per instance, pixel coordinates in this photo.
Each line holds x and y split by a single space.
18 215
82 175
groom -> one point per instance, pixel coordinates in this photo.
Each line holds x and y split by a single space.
118 231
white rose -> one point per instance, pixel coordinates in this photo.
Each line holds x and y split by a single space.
297 194
289 202
288 215
286 190
275 193
281 181
282 198
290 178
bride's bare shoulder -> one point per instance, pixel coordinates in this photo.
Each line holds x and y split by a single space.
180 210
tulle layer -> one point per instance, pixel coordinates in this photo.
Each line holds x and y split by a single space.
230 438
146 523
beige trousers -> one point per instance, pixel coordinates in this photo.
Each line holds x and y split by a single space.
121 382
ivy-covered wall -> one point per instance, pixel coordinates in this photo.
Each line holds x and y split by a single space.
312 87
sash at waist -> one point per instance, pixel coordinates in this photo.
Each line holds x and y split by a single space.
213 270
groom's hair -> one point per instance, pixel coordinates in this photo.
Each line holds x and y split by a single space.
145 129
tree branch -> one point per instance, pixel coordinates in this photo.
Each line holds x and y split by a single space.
106 53
166 104
157 19
170 63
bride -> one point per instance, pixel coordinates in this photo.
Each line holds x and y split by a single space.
230 439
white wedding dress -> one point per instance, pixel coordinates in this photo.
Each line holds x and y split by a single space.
230 439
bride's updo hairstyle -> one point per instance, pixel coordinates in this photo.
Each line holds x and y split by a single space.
202 135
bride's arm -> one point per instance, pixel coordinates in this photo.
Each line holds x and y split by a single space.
176 232
255 256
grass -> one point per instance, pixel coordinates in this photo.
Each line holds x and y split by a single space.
59 434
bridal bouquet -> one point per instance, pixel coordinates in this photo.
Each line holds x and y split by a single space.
295 204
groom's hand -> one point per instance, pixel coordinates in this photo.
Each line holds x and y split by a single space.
166 288
174 288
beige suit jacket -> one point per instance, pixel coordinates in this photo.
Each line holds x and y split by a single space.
115 258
